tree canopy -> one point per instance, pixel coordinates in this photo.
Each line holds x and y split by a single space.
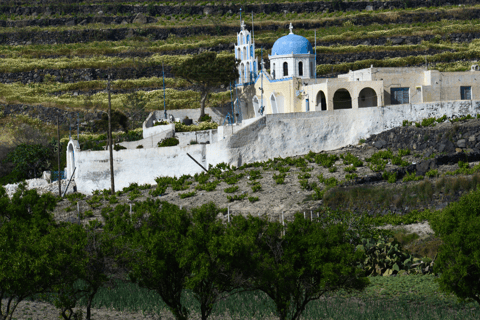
207 70
458 260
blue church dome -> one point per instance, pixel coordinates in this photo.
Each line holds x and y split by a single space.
292 43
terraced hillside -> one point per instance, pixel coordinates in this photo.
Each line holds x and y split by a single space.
59 53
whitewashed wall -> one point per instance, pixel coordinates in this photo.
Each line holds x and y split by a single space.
134 165
274 135
290 134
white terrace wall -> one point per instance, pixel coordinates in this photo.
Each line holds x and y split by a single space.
274 135
282 135
134 165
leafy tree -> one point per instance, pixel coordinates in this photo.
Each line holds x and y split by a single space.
31 257
29 160
309 260
134 102
207 70
150 244
88 271
119 121
458 260
212 268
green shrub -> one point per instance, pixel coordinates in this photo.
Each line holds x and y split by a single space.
325 160
187 194
332 169
254 174
161 123
391 177
442 119
397 160
209 186
432 173
237 197
349 169
180 127
140 146
256 187
403 152
412 177
253 199
88 214
351 159
205 118
428 122
168 142
329 182
351 176
279 178
304 176
231 189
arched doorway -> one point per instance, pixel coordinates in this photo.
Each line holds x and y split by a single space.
321 101
256 106
342 99
367 98
273 104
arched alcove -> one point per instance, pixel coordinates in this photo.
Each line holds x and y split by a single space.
367 98
239 54
247 72
321 102
342 99
273 72
300 68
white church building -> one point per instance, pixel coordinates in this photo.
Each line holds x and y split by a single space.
291 85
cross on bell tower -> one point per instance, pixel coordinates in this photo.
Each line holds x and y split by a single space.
242 25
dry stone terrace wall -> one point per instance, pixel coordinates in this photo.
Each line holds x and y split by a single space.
71 7
87 74
71 36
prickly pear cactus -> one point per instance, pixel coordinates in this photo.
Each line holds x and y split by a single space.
384 256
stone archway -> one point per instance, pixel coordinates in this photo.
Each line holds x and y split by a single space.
342 99
367 98
321 102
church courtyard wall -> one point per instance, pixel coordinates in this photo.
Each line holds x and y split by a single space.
273 135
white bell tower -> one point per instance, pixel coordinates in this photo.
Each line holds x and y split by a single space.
245 52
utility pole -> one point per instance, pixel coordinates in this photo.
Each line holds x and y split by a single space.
58 158
112 190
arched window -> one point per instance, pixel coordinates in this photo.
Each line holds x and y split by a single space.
242 69
239 55
312 72
300 68
245 53
285 69
248 38
273 71
247 72
241 39
251 51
